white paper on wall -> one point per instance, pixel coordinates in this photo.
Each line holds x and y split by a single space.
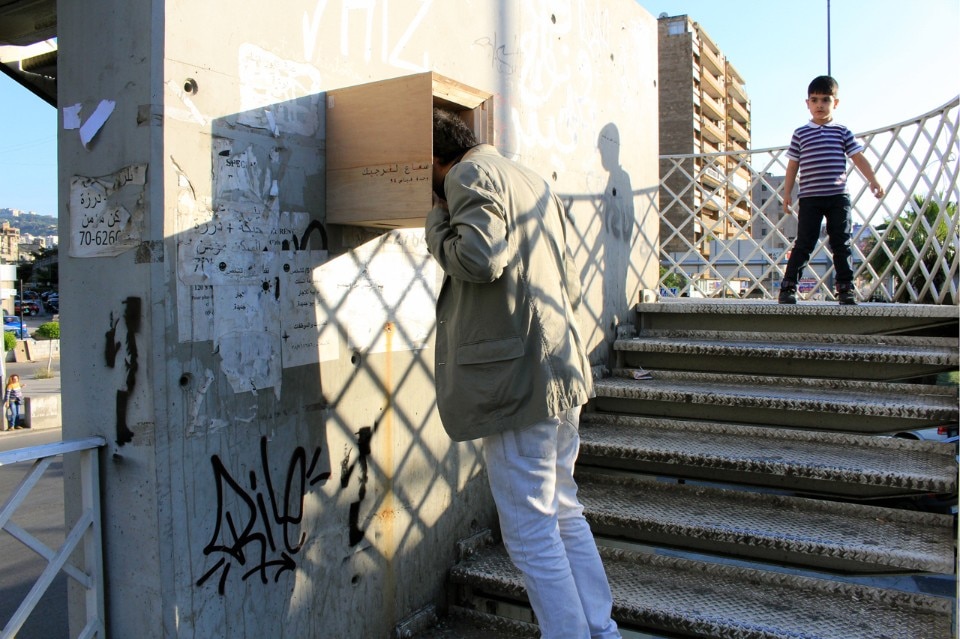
305 337
382 295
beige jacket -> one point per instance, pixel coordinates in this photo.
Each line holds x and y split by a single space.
508 349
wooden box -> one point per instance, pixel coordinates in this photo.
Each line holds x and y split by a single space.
380 146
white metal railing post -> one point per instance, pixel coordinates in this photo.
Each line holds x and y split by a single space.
86 529
93 544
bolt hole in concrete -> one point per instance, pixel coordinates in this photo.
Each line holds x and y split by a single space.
355 358
190 86
185 380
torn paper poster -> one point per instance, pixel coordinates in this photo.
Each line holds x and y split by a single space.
231 247
238 175
106 213
251 361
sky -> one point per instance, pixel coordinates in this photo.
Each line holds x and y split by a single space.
894 60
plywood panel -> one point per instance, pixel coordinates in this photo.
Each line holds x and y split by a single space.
380 146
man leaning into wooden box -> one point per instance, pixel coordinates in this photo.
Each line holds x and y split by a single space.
511 369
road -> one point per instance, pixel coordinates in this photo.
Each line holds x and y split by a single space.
42 516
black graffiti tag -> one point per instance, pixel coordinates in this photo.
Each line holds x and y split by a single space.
259 532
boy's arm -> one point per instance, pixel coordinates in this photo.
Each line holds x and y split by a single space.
788 181
867 171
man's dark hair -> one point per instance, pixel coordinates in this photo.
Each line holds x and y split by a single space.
451 136
823 85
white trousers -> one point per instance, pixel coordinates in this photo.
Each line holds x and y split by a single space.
544 531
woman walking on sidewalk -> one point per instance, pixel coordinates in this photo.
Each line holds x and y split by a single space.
12 399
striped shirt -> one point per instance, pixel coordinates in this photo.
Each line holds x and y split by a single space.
822 151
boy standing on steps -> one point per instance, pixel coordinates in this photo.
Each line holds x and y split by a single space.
818 152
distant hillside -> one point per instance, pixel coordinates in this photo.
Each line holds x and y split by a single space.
32 223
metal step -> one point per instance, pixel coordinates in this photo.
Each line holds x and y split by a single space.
699 599
872 357
783 529
806 317
803 461
854 406
463 623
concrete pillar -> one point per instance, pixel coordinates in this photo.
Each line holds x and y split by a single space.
275 464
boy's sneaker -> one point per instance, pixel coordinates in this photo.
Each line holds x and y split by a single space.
847 296
788 294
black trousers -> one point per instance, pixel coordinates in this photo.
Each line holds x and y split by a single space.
813 210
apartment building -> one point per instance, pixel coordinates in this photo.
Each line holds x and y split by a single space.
704 109
9 244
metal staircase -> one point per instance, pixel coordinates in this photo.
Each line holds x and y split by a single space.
741 474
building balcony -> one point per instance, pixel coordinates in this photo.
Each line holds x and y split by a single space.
712 131
737 130
738 110
711 84
736 184
736 90
712 176
713 106
712 60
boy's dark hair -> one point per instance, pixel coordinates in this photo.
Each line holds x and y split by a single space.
823 85
451 136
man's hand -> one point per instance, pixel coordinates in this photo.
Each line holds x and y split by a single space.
876 189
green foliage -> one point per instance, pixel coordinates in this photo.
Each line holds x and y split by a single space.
914 236
49 330
9 341
31 223
674 280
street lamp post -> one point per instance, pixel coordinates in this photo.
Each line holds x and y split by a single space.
828 39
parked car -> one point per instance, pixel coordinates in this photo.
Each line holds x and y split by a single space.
932 434
11 324
29 307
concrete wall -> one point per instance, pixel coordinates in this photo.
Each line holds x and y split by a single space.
276 466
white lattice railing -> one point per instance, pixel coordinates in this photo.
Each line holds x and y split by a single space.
723 231
85 533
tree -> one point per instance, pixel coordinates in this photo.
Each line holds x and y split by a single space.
673 280
917 248
49 331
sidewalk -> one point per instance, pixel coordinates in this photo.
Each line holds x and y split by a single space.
41 396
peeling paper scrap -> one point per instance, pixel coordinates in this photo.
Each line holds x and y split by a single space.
71 117
95 122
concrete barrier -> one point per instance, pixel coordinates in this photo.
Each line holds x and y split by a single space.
42 411
31 350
